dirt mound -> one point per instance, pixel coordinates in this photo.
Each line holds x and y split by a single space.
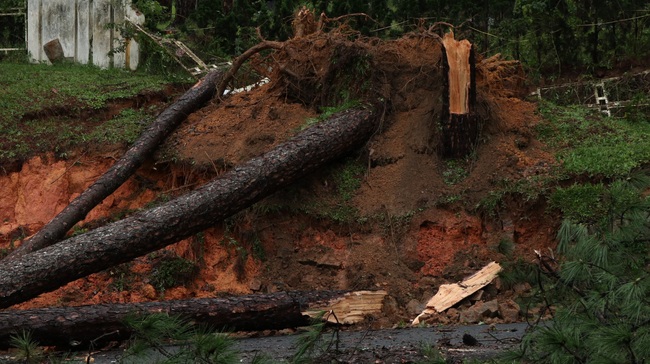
426 204
416 218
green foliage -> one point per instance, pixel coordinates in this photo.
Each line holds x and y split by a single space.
125 127
601 287
520 271
172 271
122 277
28 350
589 143
526 189
454 171
431 355
580 203
193 344
506 247
328 111
311 343
348 178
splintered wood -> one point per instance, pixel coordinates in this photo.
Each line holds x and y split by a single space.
458 54
450 294
351 308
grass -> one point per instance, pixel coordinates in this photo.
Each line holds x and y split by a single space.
41 105
588 143
454 171
172 271
346 178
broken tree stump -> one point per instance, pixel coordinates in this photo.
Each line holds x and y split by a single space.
97 324
42 271
460 124
112 179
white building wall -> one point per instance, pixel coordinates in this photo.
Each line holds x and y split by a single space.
81 26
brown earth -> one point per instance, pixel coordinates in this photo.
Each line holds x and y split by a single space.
421 220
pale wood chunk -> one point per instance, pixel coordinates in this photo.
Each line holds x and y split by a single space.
351 308
450 294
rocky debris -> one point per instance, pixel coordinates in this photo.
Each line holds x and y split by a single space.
479 311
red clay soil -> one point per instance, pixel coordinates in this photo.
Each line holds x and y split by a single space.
416 227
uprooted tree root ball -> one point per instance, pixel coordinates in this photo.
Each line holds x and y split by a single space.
424 215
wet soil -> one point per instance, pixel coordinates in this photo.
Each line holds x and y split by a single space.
418 220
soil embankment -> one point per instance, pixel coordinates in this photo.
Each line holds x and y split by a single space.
418 219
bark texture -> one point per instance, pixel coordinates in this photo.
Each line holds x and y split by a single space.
52 267
96 324
112 179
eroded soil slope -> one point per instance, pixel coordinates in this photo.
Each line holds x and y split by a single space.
415 221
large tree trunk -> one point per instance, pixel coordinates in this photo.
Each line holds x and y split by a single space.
142 149
49 268
95 324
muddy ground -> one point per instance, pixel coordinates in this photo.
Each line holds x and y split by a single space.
415 221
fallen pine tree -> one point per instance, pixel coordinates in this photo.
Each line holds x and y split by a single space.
42 271
96 324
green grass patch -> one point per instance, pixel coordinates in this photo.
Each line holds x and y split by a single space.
580 203
124 127
455 171
34 87
54 108
172 271
327 112
589 143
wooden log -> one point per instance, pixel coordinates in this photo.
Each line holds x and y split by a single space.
115 176
49 268
82 326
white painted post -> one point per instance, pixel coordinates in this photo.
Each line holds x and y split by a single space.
82 47
34 40
116 36
100 14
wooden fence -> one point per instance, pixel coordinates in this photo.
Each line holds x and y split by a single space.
83 28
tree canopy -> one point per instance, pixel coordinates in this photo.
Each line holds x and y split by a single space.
547 36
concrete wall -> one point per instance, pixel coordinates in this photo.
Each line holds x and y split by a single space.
81 28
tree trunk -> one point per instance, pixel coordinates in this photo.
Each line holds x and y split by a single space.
49 268
97 324
142 149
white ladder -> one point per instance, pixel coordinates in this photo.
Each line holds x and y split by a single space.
601 98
